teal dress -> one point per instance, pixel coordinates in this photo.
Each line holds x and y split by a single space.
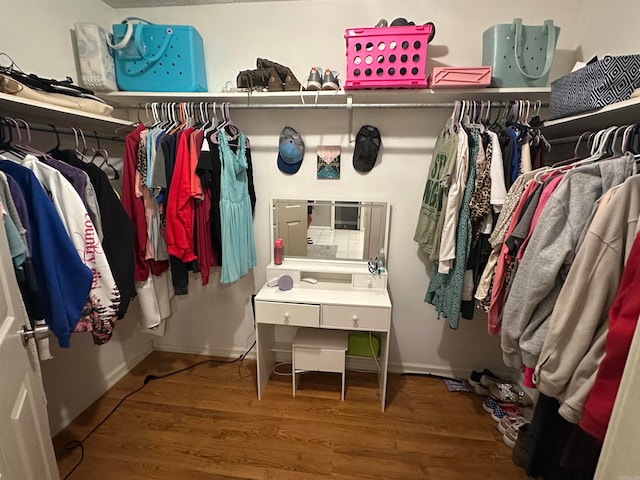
236 220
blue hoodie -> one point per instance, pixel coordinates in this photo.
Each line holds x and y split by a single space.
63 279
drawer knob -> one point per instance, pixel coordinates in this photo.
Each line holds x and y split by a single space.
369 283
286 315
355 320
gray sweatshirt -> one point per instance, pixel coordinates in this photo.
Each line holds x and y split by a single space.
549 255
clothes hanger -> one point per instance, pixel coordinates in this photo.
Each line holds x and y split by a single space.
104 154
10 146
598 148
80 152
221 125
27 146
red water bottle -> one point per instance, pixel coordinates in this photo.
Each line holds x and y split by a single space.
278 251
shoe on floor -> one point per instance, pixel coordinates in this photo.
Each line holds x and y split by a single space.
499 410
508 392
476 381
330 80
511 434
489 378
314 81
511 421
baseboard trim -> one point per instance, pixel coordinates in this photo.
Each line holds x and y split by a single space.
212 351
352 362
71 412
441 371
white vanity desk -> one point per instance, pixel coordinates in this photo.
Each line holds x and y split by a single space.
346 297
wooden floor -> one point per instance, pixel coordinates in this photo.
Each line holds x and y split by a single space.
207 423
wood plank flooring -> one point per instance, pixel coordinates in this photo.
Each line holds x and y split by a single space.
207 423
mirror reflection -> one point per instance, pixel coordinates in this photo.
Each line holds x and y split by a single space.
326 229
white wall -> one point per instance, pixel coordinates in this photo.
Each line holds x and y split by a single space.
217 319
609 28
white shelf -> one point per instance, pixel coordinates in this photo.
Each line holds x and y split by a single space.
43 113
340 99
620 113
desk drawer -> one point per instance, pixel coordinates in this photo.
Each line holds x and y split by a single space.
288 314
369 281
318 359
355 317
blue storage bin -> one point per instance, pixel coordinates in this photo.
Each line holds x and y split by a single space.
158 58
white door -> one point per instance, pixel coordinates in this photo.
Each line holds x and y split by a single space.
26 452
292 228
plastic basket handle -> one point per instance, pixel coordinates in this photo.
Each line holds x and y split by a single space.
139 41
141 46
128 34
547 28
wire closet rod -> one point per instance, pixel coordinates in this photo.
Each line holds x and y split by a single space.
50 128
339 106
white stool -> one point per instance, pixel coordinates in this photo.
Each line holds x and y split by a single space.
319 350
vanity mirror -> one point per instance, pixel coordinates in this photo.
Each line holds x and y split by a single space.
330 229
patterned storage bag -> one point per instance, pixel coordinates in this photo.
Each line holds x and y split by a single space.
610 80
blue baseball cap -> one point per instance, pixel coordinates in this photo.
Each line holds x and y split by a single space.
290 151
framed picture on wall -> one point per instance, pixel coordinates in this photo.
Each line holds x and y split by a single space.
328 162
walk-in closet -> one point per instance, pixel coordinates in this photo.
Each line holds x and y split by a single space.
265 298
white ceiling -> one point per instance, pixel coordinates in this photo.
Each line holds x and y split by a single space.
171 3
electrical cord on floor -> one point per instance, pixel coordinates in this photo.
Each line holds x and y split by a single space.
73 444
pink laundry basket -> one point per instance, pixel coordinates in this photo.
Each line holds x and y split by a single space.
389 57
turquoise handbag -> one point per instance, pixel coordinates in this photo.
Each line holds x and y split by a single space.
158 58
519 55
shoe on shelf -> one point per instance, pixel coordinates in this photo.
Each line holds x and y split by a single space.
288 79
511 421
274 84
508 392
314 81
330 80
253 79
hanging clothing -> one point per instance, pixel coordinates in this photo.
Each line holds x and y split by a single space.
209 170
445 291
498 188
450 217
623 321
64 281
504 264
180 206
568 358
7 200
549 255
118 229
17 247
429 227
236 220
101 310
134 206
